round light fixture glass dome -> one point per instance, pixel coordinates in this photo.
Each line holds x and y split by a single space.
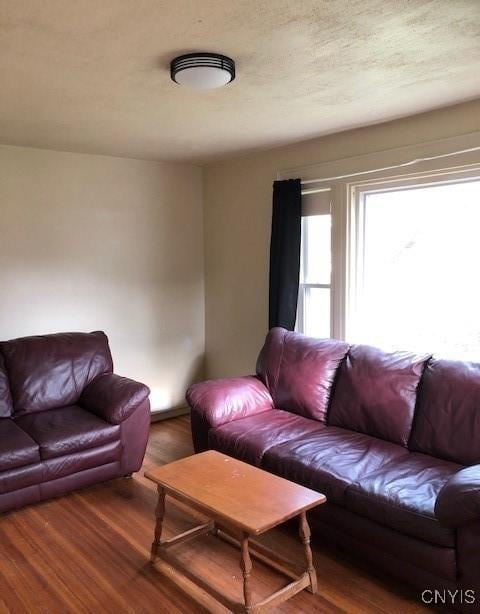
202 71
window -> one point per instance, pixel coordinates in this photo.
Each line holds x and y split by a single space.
416 255
314 299
404 270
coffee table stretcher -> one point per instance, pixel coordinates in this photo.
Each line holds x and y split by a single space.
301 580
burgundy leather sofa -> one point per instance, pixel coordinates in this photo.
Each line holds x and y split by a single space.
66 421
392 439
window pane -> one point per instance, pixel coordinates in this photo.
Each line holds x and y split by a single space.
317 312
316 238
421 287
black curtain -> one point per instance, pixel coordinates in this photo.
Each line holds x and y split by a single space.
285 253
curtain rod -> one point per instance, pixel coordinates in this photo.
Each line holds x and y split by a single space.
388 168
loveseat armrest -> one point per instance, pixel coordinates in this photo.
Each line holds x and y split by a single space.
216 402
112 397
458 502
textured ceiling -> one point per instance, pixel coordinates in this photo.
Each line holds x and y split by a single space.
92 75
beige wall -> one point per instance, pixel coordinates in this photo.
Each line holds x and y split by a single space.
94 242
237 225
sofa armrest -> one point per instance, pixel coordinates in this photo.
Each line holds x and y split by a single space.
220 401
458 503
112 397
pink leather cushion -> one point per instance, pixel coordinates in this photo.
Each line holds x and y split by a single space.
6 407
401 494
447 421
248 439
376 393
299 371
330 459
49 371
268 361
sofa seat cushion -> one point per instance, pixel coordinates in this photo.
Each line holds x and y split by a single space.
402 494
248 439
330 459
67 430
17 448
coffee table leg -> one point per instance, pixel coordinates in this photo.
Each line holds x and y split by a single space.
246 566
159 513
305 537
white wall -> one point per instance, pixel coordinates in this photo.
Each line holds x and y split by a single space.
238 201
94 242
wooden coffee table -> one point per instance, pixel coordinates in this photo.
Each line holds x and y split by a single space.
241 501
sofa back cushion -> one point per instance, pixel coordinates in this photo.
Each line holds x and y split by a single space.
447 421
51 371
299 371
376 391
6 407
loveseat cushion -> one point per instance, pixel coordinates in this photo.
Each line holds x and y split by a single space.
402 494
248 439
17 448
376 391
19 478
299 371
330 459
55 468
67 430
6 406
447 420
49 371
61 466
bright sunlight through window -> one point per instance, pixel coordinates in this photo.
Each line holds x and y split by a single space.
313 315
417 270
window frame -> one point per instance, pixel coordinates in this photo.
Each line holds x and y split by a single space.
318 202
356 229
346 232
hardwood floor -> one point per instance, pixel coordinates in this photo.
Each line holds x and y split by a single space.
89 552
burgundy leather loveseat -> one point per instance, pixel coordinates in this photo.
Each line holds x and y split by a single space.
66 421
392 439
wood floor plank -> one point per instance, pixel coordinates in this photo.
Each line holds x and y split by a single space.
88 552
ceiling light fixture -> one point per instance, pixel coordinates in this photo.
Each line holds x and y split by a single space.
202 71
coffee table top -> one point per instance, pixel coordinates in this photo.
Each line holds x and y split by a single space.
243 496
